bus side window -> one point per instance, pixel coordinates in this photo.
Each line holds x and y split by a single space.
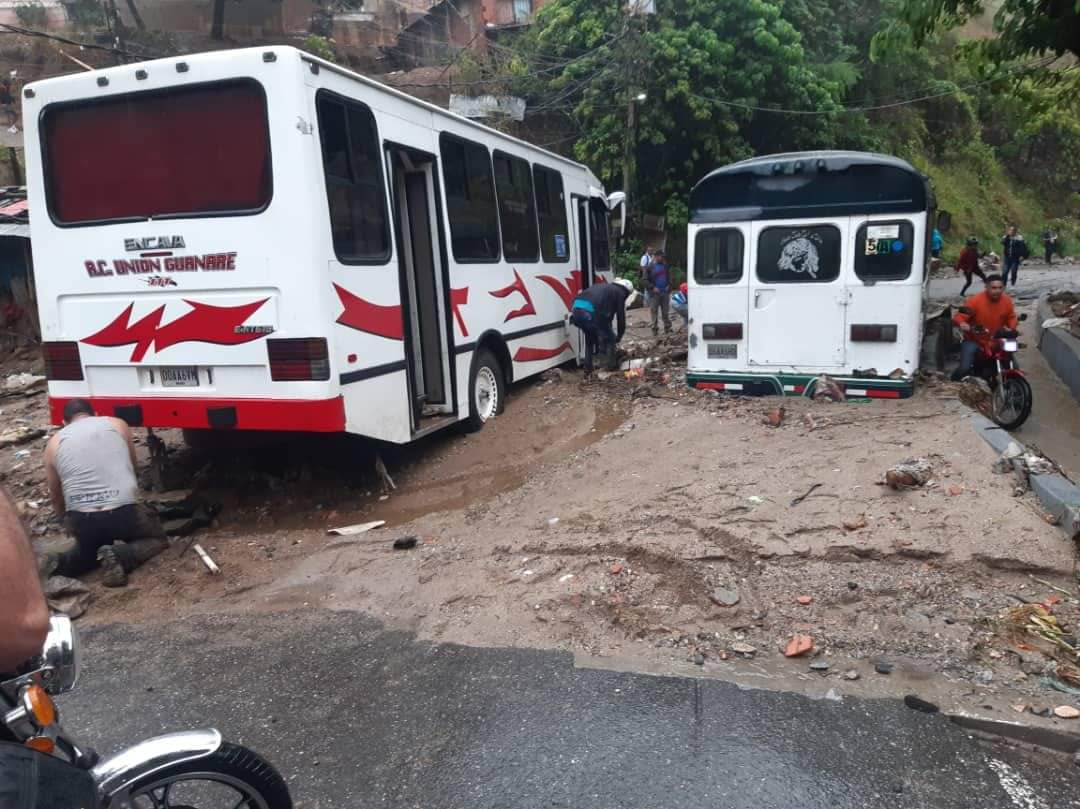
517 209
354 180
470 200
551 207
600 235
885 251
718 256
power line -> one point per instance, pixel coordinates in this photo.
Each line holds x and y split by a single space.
30 32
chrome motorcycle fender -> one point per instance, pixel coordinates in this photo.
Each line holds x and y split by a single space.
116 774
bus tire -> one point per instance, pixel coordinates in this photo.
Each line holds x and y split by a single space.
487 390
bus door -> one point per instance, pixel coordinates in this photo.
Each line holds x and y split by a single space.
423 295
798 298
580 209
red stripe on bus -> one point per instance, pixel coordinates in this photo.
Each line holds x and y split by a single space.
526 354
302 415
710 386
883 394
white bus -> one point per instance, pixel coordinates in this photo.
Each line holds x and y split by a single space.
261 240
807 264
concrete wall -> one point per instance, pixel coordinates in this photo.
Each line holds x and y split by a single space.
1061 349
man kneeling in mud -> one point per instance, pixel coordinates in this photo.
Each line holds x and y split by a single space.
90 466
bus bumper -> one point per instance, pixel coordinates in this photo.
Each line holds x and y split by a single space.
747 384
300 415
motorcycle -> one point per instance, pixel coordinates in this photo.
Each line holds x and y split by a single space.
193 769
1011 397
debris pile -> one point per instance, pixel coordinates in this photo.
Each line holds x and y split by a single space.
1066 309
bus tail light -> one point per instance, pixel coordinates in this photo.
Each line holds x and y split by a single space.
722 331
873 333
62 361
301 359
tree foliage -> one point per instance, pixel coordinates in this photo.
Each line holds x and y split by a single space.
1023 28
703 66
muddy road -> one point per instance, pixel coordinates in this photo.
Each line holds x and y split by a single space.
642 525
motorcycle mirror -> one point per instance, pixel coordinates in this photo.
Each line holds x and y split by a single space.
60 657
964 310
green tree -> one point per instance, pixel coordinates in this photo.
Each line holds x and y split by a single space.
1024 28
703 67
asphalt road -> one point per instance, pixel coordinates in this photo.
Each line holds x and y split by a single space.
355 716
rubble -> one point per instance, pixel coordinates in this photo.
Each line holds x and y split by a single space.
798 646
20 435
909 474
68 596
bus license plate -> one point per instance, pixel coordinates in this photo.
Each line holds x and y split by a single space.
723 351
184 376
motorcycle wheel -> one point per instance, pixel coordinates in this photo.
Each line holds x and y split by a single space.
1010 404
232 777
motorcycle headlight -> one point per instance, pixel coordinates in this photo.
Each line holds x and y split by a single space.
60 656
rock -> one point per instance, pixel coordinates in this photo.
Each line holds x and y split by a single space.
851 674
949 620
699 660
615 569
1041 711
985 676
1019 707
20 435
744 649
851 585
69 596
1066 712
798 645
405 543
917 704
804 600
723 597
908 474
775 417
856 523
881 667
819 665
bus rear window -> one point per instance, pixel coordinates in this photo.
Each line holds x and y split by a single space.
185 151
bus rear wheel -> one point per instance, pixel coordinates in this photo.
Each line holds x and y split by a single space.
487 390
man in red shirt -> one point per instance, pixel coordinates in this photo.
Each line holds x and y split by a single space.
990 310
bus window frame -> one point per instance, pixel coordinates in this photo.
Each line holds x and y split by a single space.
46 175
742 256
838 277
857 254
497 154
345 101
566 217
466 142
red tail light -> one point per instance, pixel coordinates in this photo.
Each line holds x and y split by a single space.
722 331
62 361
303 359
873 333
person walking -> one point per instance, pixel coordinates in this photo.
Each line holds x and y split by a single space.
592 311
657 280
1050 239
936 243
90 468
1013 251
968 263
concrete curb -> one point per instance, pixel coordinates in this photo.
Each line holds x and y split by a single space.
1061 349
1059 496
1057 740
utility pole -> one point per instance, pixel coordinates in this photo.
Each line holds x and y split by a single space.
634 95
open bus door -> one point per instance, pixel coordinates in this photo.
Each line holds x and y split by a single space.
423 291
580 210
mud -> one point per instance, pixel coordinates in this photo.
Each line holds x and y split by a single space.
602 518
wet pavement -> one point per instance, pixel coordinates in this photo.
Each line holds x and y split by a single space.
358 716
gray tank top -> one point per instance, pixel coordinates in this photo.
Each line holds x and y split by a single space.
94 466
